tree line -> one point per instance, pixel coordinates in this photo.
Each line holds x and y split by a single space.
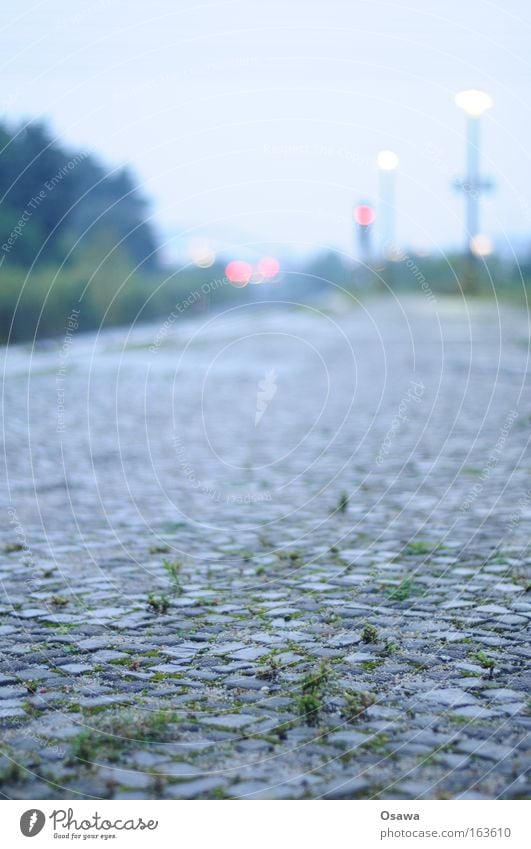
55 201
76 235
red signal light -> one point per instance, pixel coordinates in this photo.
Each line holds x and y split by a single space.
364 215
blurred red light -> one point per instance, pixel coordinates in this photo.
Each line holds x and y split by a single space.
364 215
238 272
268 266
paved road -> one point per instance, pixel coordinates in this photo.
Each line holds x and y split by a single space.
269 554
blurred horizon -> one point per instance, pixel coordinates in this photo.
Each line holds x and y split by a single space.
259 124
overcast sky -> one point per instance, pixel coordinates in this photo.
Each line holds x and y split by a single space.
257 121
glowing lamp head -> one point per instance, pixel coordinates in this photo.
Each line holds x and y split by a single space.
268 267
238 272
474 102
387 160
364 215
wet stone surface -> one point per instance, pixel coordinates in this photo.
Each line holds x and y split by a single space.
281 555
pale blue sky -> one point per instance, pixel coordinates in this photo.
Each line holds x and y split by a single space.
258 120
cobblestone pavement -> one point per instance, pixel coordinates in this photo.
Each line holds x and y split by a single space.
269 554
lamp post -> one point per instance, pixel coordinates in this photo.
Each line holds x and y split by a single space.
474 104
387 162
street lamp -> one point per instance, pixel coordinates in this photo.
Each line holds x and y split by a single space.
474 103
387 162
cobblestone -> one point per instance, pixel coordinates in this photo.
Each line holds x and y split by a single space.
246 669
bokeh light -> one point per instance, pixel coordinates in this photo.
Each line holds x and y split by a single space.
481 245
201 253
238 272
268 267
